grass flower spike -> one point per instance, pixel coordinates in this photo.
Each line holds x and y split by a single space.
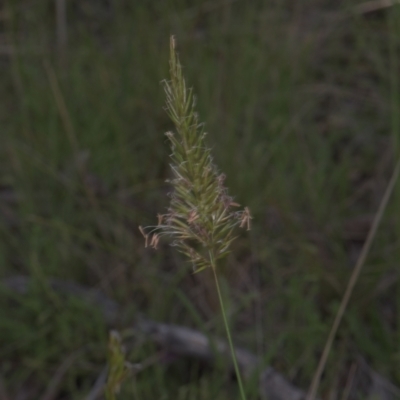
202 216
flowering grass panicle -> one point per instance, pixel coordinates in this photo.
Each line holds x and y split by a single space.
201 216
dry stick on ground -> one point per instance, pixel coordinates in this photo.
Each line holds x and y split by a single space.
353 279
186 342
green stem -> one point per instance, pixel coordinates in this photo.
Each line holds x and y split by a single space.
228 331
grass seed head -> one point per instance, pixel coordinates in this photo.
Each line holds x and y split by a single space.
200 216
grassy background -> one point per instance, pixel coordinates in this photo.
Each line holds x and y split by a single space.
302 106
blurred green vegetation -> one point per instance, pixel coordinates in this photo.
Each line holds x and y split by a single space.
301 101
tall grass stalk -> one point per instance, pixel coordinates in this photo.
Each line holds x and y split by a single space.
201 217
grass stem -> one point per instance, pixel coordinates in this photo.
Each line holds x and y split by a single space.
228 331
